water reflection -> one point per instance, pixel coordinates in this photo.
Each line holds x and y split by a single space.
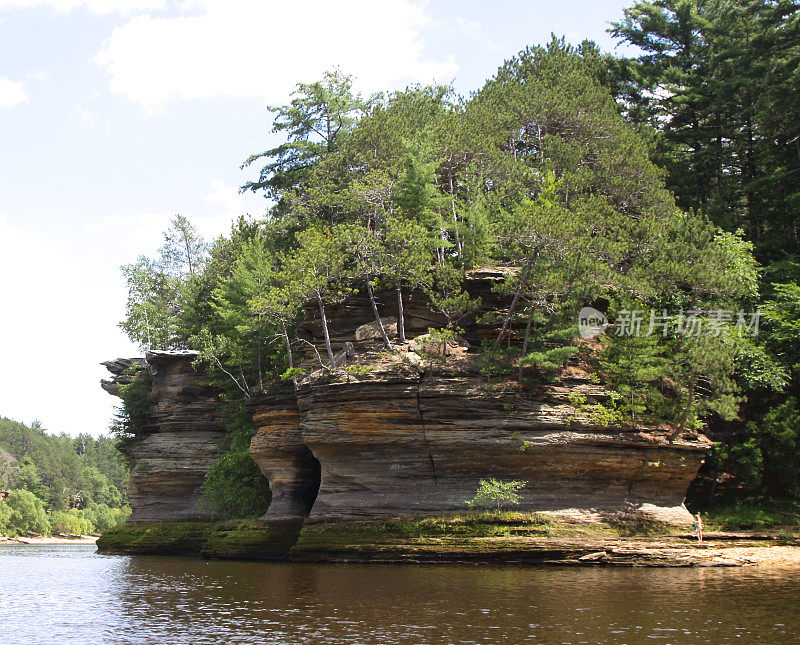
69 594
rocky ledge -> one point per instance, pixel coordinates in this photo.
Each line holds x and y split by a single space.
404 433
536 539
171 454
410 437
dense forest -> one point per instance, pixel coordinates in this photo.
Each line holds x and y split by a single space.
663 186
57 483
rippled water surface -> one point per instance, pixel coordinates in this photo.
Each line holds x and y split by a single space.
68 594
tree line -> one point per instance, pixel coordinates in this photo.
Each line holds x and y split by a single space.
57 483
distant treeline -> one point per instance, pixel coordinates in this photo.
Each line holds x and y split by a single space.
58 483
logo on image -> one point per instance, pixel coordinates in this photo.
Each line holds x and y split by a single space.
591 322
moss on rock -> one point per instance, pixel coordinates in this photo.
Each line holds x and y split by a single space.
163 538
509 537
251 540
236 539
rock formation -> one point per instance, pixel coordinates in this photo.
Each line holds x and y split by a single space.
406 433
408 440
283 457
171 454
409 434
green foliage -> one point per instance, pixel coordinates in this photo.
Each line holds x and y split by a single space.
62 472
105 518
496 492
782 325
546 353
26 513
757 368
136 413
161 290
357 369
438 338
71 522
234 486
635 367
601 413
495 360
292 374
545 174
702 371
447 295
5 519
754 514
318 270
716 80
769 458
315 123
99 489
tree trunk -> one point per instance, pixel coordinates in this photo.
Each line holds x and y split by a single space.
689 404
288 344
514 302
324 319
401 320
260 371
525 342
147 325
371 292
459 248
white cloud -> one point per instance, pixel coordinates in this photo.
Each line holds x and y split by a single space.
474 30
11 93
245 49
143 232
58 324
84 114
229 199
124 7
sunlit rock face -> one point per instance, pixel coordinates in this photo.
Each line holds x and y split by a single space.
402 441
411 434
285 460
171 456
404 433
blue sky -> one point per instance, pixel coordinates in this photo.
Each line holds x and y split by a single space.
117 114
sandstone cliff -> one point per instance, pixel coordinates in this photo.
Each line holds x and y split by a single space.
405 433
171 455
406 439
410 433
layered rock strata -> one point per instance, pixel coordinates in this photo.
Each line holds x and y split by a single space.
171 454
406 439
405 433
285 460
411 433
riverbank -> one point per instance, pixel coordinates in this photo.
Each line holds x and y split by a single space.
510 538
47 541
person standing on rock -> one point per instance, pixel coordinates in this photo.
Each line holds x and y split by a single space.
697 527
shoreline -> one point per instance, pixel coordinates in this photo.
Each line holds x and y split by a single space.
48 541
426 542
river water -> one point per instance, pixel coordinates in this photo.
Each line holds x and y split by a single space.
68 594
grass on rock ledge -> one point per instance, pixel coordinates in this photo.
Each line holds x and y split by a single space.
467 532
448 536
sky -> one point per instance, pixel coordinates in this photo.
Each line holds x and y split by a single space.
116 115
